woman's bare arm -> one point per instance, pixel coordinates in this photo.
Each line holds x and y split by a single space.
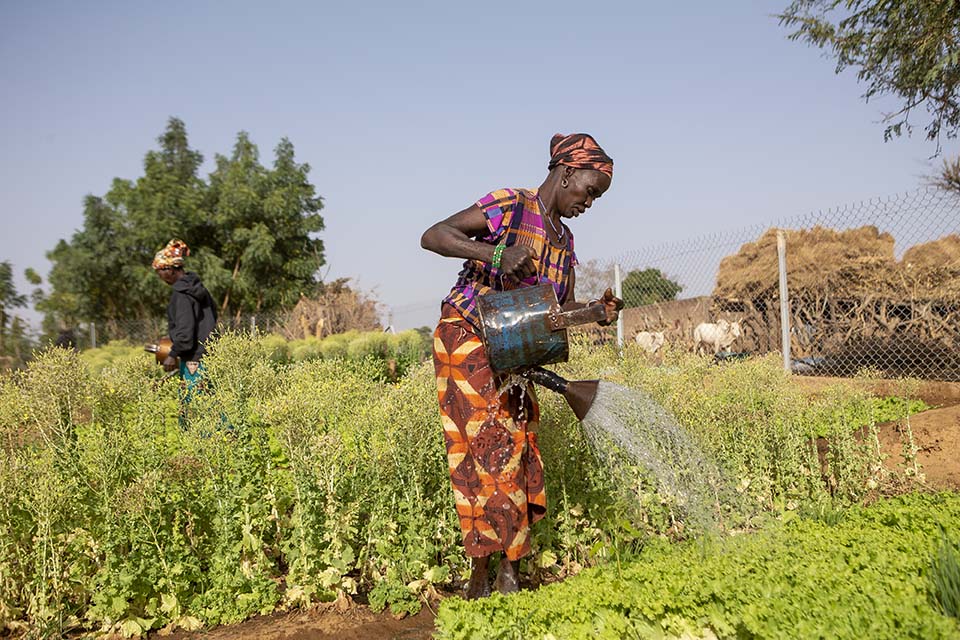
455 237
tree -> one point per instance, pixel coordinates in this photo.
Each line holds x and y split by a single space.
9 299
909 49
949 177
250 230
263 220
648 286
15 342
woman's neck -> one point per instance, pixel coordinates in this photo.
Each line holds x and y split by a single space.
547 194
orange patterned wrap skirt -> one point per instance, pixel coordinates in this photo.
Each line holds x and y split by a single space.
495 465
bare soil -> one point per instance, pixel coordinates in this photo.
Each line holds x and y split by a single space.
936 434
324 623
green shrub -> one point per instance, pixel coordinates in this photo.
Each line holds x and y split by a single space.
305 349
277 348
100 358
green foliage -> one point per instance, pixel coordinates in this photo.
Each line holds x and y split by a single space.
394 354
945 575
759 426
9 298
865 411
397 596
648 286
863 577
15 343
112 354
262 220
906 49
304 480
246 225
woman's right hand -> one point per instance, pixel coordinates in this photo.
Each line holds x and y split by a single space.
519 261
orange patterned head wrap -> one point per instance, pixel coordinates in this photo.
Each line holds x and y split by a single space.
172 255
580 151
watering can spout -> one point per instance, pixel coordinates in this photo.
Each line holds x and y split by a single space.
579 394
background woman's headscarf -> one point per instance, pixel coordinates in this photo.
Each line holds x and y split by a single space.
172 255
580 151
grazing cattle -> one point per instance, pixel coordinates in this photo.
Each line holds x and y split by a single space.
650 341
718 336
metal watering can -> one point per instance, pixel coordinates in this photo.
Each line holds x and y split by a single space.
161 348
525 328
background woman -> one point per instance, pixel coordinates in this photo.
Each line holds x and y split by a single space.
191 317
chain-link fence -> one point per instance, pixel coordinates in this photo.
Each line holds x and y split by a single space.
874 285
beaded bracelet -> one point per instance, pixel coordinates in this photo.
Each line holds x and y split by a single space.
497 255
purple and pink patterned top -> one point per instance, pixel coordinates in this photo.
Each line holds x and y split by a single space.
513 217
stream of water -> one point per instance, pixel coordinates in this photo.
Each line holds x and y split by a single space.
628 428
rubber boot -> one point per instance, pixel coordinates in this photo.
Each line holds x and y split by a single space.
508 576
479 585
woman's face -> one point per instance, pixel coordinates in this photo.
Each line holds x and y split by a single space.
167 274
583 187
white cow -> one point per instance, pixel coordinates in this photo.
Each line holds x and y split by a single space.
650 341
719 336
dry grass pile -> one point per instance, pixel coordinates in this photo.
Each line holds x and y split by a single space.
854 263
934 266
336 310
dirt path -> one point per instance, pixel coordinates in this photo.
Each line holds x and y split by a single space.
357 623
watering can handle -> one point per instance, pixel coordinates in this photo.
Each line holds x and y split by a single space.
560 319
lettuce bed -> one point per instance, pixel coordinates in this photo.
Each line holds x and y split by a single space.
866 576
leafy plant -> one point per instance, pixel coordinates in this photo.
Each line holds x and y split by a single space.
303 480
945 575
861 577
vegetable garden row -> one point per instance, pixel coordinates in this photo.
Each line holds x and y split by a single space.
305 479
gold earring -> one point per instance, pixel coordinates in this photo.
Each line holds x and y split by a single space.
564 183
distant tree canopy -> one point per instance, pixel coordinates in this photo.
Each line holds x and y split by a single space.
648 286
249 229
14 341
909 49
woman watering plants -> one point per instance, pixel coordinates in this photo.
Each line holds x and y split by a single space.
191 317
509 238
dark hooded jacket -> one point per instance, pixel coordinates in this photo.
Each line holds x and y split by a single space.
191 317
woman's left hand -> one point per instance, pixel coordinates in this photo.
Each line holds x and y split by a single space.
612 305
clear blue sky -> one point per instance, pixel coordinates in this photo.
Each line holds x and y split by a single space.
408 112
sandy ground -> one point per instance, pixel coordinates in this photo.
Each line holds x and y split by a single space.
936 434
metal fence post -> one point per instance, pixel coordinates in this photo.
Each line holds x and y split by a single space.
784 300
618 284
93 335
